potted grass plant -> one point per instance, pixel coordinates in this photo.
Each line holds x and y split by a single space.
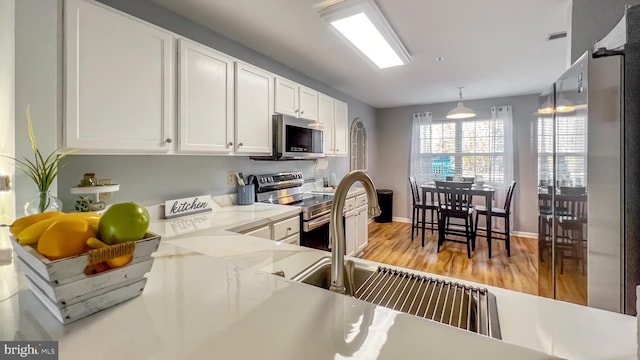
43 170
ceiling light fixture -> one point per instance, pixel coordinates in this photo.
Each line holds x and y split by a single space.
363 24
460 111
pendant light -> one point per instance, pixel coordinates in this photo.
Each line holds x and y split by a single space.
460 111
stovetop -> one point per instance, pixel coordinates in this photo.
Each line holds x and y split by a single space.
286 189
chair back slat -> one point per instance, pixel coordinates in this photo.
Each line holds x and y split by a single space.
507 200
454 197
575 206
414 190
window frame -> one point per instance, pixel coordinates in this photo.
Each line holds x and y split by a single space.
426 153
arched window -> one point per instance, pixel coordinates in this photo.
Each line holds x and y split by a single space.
358 145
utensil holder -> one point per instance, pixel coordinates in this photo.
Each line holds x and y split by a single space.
245 194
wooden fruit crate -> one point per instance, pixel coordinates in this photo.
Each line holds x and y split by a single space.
69 294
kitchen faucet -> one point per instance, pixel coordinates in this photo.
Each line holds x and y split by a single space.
336 224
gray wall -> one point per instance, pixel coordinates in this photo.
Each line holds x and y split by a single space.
147 179
37 82
591 20
394 149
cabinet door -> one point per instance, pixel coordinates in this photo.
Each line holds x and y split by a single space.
286 228
206 100
308 100
350 232
119 81
326 116
286 97
254 109
362 228
341 130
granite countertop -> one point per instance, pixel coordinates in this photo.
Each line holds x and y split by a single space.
210 294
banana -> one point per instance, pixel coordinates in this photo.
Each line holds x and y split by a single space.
95 243
32 233
116 261
24 222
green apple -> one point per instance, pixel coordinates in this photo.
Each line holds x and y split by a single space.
123 222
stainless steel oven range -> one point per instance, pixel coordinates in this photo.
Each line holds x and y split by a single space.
286 189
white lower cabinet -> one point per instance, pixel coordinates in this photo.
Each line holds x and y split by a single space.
350 229
356 225
282 231
362 228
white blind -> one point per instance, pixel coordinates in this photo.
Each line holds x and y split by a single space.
570 150
469 148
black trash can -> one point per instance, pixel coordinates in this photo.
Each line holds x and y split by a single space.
385 200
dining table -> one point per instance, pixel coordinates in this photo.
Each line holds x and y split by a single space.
485 191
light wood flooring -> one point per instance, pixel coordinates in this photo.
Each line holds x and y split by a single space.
390 243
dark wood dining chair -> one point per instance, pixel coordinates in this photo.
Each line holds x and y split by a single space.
418 209
453 199
571 242
497 212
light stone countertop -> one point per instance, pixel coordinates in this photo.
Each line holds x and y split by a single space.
210 295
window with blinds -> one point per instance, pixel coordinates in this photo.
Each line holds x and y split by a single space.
570 150
463 148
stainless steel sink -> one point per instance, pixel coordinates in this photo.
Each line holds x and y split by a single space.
455 304
319 274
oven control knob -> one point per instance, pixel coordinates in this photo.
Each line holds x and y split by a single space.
270 178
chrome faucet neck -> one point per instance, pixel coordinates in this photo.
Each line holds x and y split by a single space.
336 224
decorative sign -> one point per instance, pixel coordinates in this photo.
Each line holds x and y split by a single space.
187 206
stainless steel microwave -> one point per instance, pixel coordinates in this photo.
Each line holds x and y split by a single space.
295 139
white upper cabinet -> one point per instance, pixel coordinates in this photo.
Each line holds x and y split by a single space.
333 115
206 100
119 82
341 128
286 97
295 100
308 103
254 109
326 116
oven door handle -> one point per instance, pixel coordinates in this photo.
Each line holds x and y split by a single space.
316 223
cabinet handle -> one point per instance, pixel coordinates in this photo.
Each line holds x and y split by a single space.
297 111
168 140
301 112
288 229
239 144
229 144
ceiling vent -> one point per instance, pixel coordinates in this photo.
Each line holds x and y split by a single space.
557 35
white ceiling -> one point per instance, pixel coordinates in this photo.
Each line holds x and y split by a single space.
493 48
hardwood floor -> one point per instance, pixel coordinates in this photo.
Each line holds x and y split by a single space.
390 243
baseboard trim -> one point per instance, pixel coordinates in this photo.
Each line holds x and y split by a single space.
525 234
401 219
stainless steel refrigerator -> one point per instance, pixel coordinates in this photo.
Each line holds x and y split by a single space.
588 137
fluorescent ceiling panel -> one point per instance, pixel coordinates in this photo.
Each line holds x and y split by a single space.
363 34
364 25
